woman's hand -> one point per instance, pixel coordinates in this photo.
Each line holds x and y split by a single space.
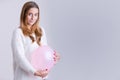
56 57
41 73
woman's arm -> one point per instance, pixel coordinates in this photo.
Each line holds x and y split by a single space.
19 53
44 42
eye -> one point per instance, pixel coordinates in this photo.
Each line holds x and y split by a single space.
30 14
36 14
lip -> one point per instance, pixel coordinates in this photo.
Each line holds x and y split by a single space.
31 21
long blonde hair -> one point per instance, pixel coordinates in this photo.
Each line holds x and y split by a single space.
35 28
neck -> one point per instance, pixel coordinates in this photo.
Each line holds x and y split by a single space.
29 27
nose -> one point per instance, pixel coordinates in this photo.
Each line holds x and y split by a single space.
32 17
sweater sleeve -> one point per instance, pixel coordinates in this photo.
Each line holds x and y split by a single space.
19 52
43 38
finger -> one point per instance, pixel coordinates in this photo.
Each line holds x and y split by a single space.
54 59
46 69
54 52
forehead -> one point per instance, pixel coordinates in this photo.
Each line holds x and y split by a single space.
33 10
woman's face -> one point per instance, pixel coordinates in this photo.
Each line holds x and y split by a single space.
32 16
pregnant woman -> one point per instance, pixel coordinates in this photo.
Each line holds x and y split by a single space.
26 38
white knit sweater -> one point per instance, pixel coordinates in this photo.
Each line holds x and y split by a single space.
22 47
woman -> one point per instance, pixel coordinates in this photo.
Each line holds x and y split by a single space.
27 38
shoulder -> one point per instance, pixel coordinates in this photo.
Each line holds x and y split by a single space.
17 31
17 35
43 30
41 27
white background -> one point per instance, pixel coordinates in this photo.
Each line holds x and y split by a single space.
85 32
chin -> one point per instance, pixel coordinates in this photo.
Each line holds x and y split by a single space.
31 24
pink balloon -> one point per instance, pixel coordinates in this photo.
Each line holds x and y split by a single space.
42 58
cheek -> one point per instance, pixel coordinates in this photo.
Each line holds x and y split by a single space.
28 18
36 17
